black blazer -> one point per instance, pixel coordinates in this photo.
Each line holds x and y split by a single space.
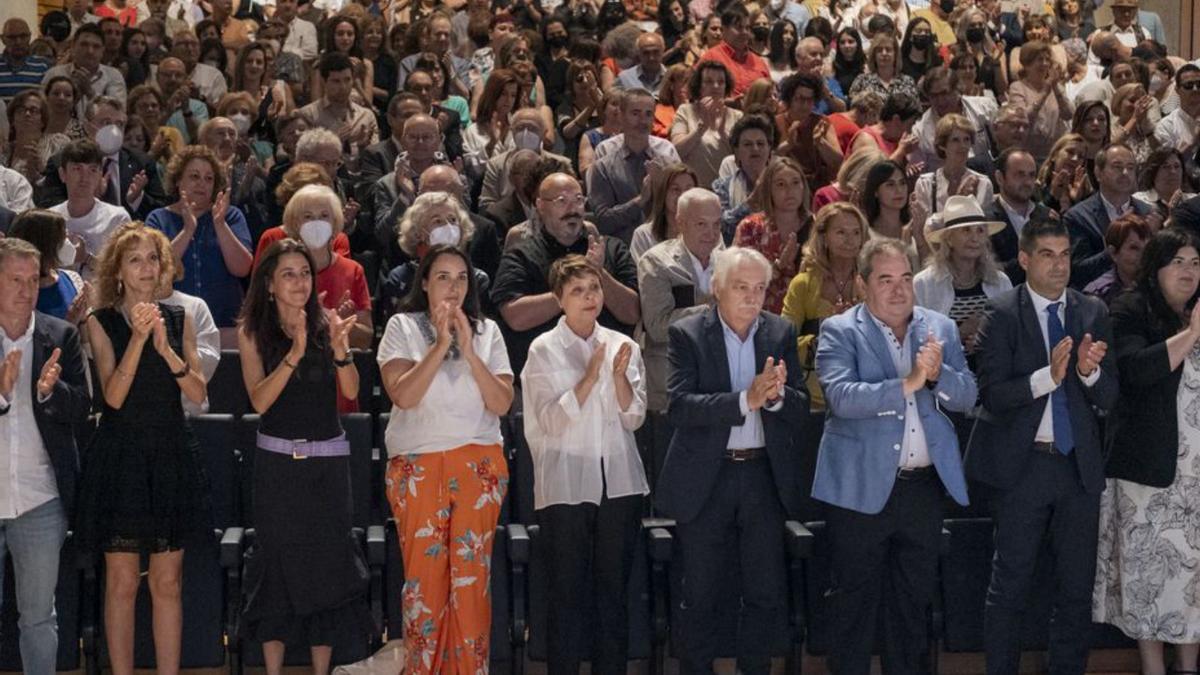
1087 222
1010 348
376 161
703 409
51 190
69 402
1143 432
1006 242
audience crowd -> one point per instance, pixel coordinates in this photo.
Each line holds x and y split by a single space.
731 262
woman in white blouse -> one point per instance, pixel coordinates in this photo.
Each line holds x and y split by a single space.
953 138
584 394
446 370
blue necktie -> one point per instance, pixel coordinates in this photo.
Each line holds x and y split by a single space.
1064 440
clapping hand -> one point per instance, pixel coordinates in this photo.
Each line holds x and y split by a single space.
1091 353
929 358
441 317
464 335
764 387
220 206
299 331
80 305
10 368
50 372
158 330
787 257
968 186
1059 358
621 361
595 252
595 362
144 316
136 185
339 333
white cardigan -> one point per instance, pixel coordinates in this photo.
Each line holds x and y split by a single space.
934 289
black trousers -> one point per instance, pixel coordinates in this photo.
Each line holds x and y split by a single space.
889 558
743 514
1049 500
589 554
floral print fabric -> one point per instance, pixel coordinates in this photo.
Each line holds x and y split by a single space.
1148 559
446 505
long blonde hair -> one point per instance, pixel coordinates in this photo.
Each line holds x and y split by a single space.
816 248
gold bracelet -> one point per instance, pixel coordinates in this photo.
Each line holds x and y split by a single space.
289 364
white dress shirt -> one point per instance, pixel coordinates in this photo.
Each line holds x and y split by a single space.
581 452
208 341
27 480
1115 211
1177 130
701 274
741 358
1017 218
914 448
927 183
452 413
15 192
1041 382
301 39
211 83
979 110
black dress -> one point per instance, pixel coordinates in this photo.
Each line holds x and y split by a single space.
143 489
305 575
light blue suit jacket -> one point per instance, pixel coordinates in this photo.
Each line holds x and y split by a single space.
859 454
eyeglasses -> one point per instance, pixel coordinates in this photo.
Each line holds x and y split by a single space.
568 200
1194 85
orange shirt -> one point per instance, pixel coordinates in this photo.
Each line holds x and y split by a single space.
664 115
745 71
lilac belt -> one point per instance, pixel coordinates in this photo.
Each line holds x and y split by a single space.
302 449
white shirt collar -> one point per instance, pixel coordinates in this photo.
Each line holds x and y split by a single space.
1040 302
1112 208
1008 206
25 337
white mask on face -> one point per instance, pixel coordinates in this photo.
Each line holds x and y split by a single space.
447 234
110 138
1157 82
242 122
776 5
527 140
316 233
66 253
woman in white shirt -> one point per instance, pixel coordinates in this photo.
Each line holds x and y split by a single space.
446 370
953 138
584 394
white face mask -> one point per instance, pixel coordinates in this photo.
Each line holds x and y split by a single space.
776 5
316 233
447 234
241 121
110 138
527 140
66 254
1157 82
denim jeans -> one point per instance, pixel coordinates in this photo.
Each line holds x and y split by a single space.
34 538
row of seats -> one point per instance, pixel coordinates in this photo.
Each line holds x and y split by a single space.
213 594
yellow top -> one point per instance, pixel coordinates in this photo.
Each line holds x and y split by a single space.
941 28
805 308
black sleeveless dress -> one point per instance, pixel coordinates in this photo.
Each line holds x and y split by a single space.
143 488
306 578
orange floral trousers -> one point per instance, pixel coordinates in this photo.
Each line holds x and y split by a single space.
446 505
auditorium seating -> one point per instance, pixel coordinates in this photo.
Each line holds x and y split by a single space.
213 591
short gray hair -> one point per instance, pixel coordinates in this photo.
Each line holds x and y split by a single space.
313 139
877 247
411 224
694 196
12 247
734 257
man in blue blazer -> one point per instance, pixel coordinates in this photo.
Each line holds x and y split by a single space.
1087 221
887 455
1036 450
737 402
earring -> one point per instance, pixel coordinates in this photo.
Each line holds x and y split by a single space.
120 287
271 296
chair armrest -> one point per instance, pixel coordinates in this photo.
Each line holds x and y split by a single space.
799 539
232 541
376 546
944 543
518 558
518 543
659 541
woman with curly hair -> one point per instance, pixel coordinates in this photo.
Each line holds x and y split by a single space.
142 489
209 237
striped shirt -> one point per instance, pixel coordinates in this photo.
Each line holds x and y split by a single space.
17 78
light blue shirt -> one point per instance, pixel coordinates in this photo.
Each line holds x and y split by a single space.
631 78
740 355
176 120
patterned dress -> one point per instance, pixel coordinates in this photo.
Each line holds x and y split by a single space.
1148 558
757 233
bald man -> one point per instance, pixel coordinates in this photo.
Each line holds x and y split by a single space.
528 129
521 290
19 69
187 113
649 71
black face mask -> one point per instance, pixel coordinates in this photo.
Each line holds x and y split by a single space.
975 35
558 41
947 6
922 41
761 33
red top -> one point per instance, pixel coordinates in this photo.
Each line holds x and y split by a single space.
341 243
745 71
126 17
342 275
888 147
827 195
845 128
755 232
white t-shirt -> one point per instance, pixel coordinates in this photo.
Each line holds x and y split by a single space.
97 226
452 413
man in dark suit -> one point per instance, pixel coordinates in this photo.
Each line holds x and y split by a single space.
377 160
737 400
131 178
1044 372
1016 179
1008 129
1087 221
43 394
